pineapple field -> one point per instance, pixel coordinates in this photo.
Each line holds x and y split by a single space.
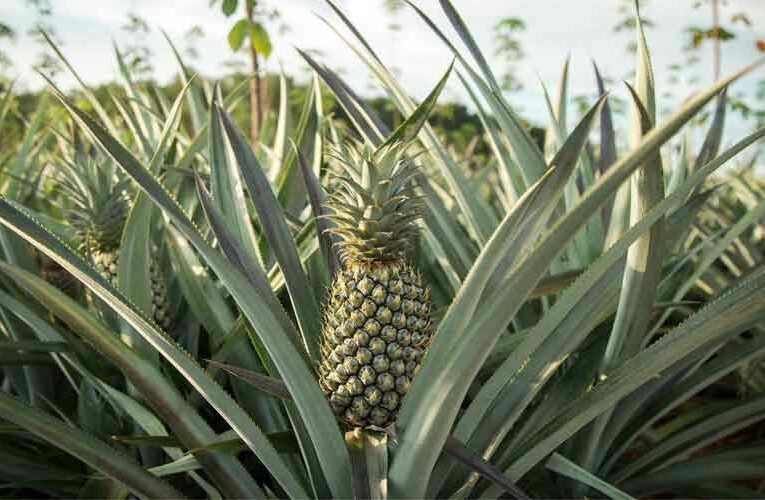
329 297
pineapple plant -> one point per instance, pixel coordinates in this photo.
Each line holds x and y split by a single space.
506 399
97 205
377 322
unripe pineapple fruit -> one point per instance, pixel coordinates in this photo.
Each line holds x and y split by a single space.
377 323
97 207
106 262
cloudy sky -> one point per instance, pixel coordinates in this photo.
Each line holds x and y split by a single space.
555 29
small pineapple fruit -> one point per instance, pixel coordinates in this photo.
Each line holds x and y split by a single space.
97 207
377 323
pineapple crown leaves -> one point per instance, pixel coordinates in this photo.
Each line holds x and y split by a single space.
373 203
95 196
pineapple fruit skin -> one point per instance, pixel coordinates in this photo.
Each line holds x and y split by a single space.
107 263
160 305
375 333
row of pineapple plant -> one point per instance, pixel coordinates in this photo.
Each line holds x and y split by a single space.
518 384
736 204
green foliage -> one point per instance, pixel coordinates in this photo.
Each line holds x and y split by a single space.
229 6
237 34
137 54
6 33
260 40
699 35
507 33
248 27
599 299
254 31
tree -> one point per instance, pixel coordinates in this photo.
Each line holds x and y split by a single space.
720 31
251 28
46 62
717 33
191 37
137 54
507 34
6 33
393 7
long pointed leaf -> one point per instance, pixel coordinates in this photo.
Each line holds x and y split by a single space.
452 373
186 423
83 446
278 235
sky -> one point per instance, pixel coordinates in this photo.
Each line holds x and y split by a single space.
555 29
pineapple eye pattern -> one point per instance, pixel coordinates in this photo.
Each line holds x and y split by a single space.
365 375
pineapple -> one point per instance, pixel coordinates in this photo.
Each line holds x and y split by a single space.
376 324
98 205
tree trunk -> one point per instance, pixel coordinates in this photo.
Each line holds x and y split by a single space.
256 93
256 100
717 53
